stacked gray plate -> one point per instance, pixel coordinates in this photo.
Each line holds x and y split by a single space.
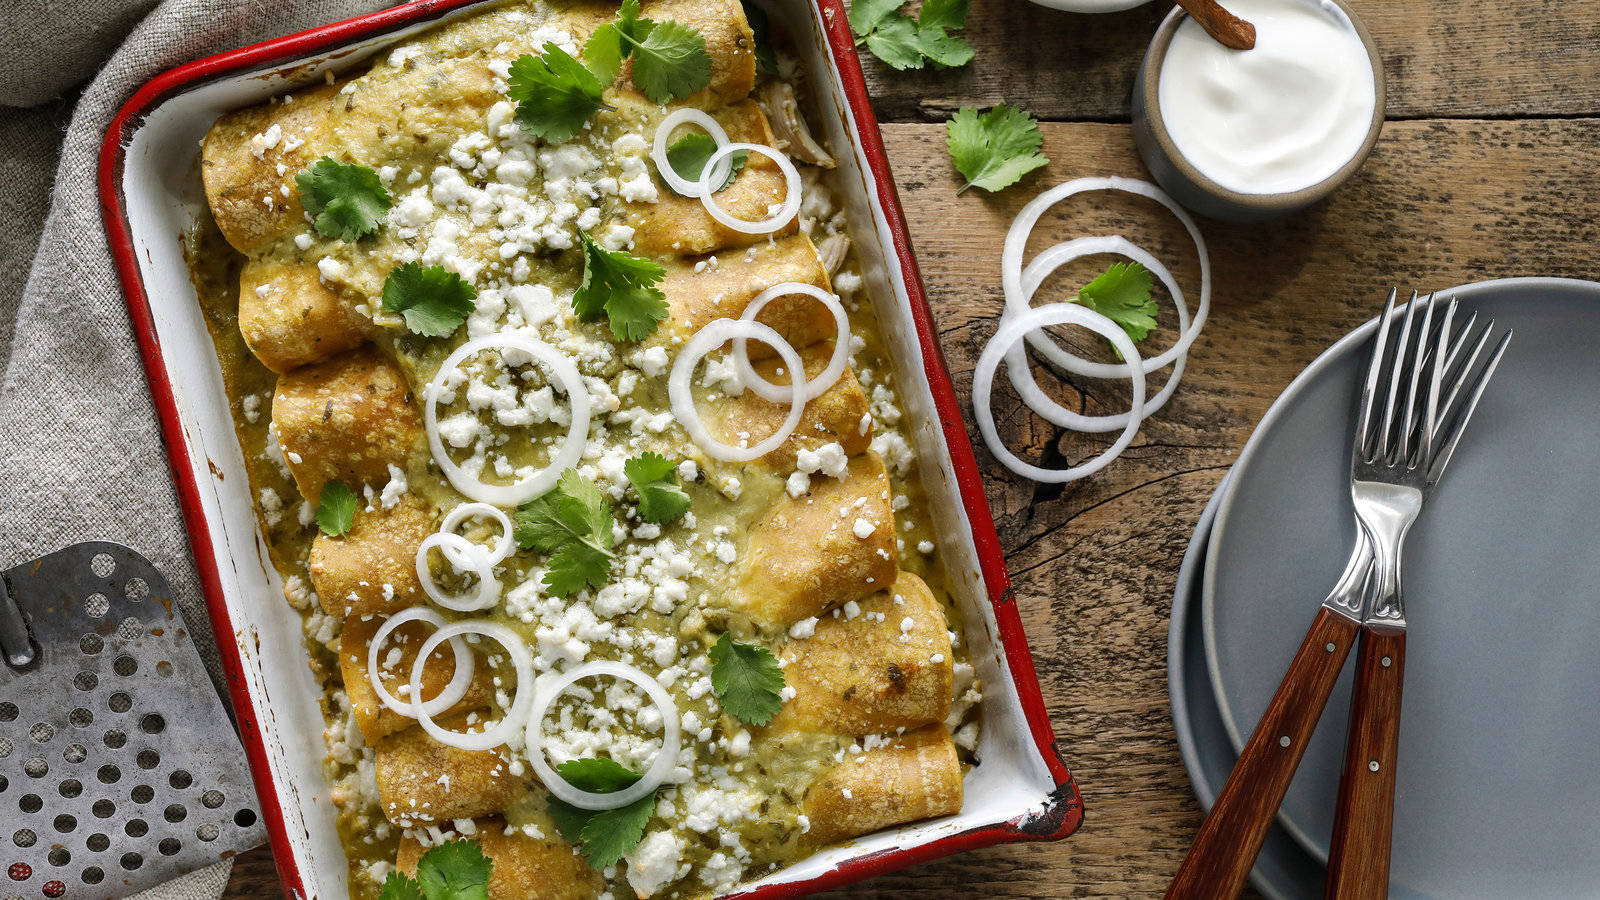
1497 794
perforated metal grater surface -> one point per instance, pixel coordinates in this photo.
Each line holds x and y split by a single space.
119 767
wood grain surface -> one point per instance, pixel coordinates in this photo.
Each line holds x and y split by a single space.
1461 188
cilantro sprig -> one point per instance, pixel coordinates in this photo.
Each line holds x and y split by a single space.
655 478
555 93
1122 294
603 835
620 288
669 58
336 509
689 154
455 870
761 27
906 43
433 300
347 201
747 679
993 150
572 523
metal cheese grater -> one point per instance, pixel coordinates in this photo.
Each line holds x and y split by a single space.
119 767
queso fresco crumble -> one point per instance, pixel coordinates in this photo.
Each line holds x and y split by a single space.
573 437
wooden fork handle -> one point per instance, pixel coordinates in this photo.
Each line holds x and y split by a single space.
1229 840
1363 827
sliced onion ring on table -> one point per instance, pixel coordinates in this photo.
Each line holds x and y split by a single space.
463 511
1014 327
658 152
454 547
1017 298
791 197
841 347
502 731
1017 357
665 760
709 338
465 662
565 457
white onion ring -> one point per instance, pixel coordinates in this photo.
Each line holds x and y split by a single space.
521 660
454 546
791 199
712 336
841 346
502 546
1017 357
688 115
565 457
1014 328
452 693
660 767
1017 299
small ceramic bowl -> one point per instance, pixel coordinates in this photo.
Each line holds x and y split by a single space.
1174 172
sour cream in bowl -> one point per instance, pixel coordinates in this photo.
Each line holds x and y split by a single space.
1248 135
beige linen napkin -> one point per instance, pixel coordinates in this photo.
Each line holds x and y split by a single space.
80 453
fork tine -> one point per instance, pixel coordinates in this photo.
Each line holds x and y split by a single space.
1458 376
1396 373
1425 340
1441 361
1369 388
1459 426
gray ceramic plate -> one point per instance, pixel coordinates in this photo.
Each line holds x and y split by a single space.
1284 871
1497 794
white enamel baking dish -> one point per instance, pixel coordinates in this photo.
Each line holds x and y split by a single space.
150 192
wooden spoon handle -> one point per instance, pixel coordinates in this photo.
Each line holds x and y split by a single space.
1229 840
1363 828
1227 28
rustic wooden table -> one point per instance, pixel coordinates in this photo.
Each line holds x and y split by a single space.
1487 168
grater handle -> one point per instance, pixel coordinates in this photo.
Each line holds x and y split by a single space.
15 642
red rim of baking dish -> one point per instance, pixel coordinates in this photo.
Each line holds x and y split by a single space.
1059 817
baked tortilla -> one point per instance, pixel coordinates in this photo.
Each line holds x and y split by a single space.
804 558
424 782
914 776
346 419
290 317
525 868
377 721
887 666
372 567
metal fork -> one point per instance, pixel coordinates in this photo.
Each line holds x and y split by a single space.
1393 468
1398 454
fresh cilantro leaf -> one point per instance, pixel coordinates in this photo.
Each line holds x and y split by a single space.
572 522
555 93
670 61
604 52
689 154
347 201
1122 295
655 478
575 567
996 148
399 886
747 680
943 49
944 13
456 870
336 511
433 301
865 15
597 776
906 43
761 26
620 287
605 835
895 42
609 835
